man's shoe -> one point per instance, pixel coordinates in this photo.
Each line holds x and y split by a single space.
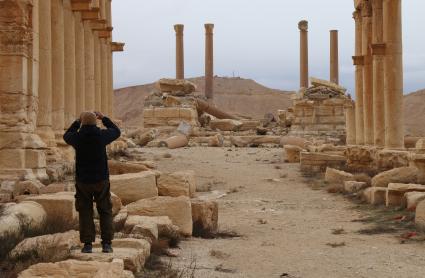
88 248
107 248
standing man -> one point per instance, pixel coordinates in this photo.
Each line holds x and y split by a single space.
92 176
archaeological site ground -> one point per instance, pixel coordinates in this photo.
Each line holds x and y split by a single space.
212 176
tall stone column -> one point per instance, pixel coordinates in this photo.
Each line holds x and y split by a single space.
367 73
70 64
209 61
97 73
303 26
179 28
21 150
90 86
80 77
393 74
104 74
378 51
334 57
110 92
58 67
350 119
358 62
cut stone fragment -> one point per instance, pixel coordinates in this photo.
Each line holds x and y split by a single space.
182 183
135 186
397 175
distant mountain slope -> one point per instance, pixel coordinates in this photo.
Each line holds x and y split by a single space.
234 95
414 113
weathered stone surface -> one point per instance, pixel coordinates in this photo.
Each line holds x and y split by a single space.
390 159
397 175
412 199
58 205
419 162
420 144
320 82
27 187
182 183
216 141
169 116
396 191
294 141
354 186
164 224
53 188
133 187
313 163
420 215
77 269
293 153
225 124
360 158
55 247
133 252
120 168
375 195
334 176
204 217
174 142
178 209
16 216
176 87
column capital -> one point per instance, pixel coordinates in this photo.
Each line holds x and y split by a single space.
303 25
209 27
366 9
357 15
117 46
179 28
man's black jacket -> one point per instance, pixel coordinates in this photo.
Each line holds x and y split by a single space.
90 143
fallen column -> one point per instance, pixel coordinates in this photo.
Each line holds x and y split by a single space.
204 107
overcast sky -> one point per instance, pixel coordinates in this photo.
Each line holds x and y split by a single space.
257 39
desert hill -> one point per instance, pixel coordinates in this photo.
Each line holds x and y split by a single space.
235 95
246 97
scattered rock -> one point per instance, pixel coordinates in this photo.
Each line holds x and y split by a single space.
182 183
396 191
334 176
135 186
120 168
397 175
293 153
204 217
225 124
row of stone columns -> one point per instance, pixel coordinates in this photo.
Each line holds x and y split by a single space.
209 57
379 73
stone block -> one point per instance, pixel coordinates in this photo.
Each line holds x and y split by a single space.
420 215
390 159
120 168
396 192
164 224
294 141
292 153
333 176
177 87
178 209
204 217
182 183
412 199
354 186
377 195
135 186
225 124
420 144
397 175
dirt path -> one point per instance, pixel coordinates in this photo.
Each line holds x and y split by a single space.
286 226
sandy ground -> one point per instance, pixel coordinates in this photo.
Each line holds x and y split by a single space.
286 225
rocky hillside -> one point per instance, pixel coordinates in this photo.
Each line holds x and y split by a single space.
234 95
246 97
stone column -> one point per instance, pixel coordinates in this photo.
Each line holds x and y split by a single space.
58 68
21 150
209 61
89 67
367 73
104 75
97 73
350 119
179 51
303 26
334 57
80 77
70 66
393 75
358 62
378 51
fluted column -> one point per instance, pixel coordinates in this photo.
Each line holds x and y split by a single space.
358 62
80 76
378 51
303 27
89 67
70 66
179 28
58 67
367 73
350 117
334 57
97 73
209 61
104 75
393 74
110 62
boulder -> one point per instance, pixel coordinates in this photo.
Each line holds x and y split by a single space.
293 153
116 205
396 191
133 252
225 124
354 186
77 269
204 217
120 168
164 224
178 209
147 230
133 187
55 247
182 183
412 199
58 206
397 175
25 215
176 87
334 176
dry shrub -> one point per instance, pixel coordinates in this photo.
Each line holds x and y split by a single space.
157 268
